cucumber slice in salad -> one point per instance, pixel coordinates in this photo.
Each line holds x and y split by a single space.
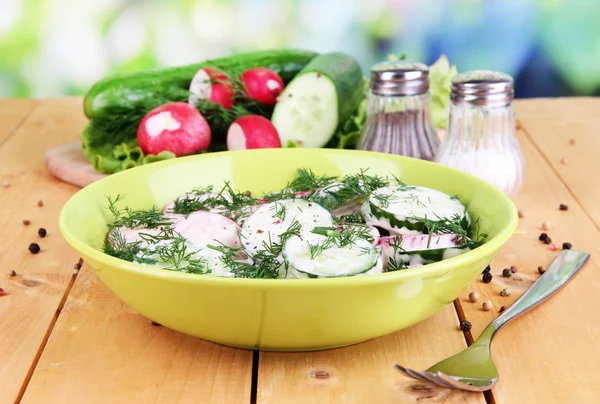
401 209
326 92
304 259
264 228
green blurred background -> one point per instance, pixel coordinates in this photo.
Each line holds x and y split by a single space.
61 47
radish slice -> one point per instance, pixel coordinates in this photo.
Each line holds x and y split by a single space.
213 85
177 127
204 228
133 235
252 132
262 85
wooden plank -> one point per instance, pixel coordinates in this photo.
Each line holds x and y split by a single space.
549 355
34 295
101 351
12 114
552 124
363 373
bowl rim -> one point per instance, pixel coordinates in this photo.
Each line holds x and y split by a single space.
489 248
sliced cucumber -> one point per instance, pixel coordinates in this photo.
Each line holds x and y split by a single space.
349 260
265 226
400 209
326 92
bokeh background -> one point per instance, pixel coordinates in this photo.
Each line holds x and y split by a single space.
61 47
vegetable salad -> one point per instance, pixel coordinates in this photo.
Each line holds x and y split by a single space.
314 227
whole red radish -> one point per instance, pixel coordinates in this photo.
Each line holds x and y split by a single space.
177 127
262 85
252 132
213 85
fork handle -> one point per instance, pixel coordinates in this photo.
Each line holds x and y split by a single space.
566 265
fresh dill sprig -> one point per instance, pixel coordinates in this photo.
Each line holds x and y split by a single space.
307 180
151 218
185 205
336 238
455 198
178 258
351 188
394 263
280 211
117 246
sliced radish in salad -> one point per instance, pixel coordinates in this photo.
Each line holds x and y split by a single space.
262 85
252 132
212 85
176 127
207 228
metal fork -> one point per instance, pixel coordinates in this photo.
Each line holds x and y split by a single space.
473 369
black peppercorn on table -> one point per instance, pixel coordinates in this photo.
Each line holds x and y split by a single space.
65 338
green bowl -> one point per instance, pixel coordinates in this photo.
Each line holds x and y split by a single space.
294 314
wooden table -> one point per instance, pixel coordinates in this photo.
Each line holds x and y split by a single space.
64 338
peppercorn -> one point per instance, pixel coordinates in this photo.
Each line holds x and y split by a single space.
502 309
521 214
154 323
572 141
546 225
473 296
487 269
564 160
505 292
42 232
465 325
247 194
507 273
34 248
487 306
513 269
12 273
5 183
541 269
40 203
2 292
543 236
567 246
77 266
487 277
26 222
562 206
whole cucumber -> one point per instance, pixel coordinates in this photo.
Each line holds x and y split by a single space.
122 92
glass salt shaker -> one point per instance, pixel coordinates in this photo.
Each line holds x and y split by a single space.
481 130
399 114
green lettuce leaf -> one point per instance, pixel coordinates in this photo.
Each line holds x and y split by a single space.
110 158
440 76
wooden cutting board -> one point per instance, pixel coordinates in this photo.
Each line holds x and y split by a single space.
68 163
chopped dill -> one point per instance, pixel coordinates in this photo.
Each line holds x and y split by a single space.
338 238
280 211
307 180
351 218
151 218
394 263
117 246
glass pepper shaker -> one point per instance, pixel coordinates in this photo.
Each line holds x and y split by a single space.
399 114
481 130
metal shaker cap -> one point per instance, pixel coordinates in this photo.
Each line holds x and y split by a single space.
399 77
483 88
